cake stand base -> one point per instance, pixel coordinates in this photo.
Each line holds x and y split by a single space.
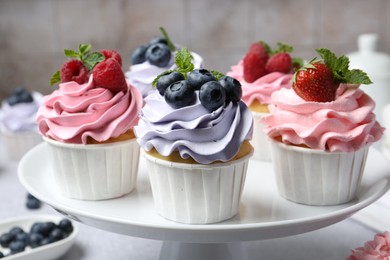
194 251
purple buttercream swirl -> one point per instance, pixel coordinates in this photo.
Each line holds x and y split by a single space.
192 130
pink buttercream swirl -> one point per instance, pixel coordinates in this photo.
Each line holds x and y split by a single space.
75 112
262 88
377 249
344 125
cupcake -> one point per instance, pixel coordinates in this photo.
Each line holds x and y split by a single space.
195 138
261 72
150 60
88 126
17 122
321 131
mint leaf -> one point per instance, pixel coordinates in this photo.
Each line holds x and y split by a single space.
55 78
71 54
183 61
171 46
160 75
217 75
282 47
84 48
91 59
356 76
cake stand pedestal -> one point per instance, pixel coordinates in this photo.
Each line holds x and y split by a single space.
263 214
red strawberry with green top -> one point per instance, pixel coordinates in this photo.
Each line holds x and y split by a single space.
112 54
318 81
108 74
280 62
74 70
254 62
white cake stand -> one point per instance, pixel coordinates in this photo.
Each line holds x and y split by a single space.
263 213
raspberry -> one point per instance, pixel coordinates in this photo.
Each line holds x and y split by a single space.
280 62
112 54
108 74
74 70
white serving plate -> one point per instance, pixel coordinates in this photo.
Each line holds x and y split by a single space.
47 252
263 214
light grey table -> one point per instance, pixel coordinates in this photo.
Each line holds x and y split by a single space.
333 242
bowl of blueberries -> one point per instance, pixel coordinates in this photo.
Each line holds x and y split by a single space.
36 237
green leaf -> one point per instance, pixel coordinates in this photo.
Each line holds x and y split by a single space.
217 75
91 59
55 78
71 53
183 61
267 47
171 46
282 47
297 63
329 57
356 76
84 48
160 75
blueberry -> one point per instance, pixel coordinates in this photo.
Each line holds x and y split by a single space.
35 240
56 234
25 97
33 203
35 227
17 246
12 100
16 230
232 88
24 237
138 55
43 228
165 80
180 94
198 77
158 54
158 39
6 239
46 240
66 225
212 95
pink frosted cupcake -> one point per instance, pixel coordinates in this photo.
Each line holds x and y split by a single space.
88 124
262 72
320 131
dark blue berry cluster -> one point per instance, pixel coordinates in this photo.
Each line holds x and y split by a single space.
19 95
32 202
156 52
40 234
213 93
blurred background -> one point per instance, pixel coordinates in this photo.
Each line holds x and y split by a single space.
33 33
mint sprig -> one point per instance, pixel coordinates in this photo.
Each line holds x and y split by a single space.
171 46
89 59
183 61
340 68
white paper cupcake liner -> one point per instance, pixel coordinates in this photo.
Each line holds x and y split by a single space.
17 144
315 177
95 171
196 193
260 141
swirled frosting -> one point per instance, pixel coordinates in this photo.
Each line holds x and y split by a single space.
142 75
75 112
193 131
20 117
262 88
344 125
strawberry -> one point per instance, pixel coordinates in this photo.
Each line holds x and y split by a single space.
315 83
280 62
112 54
74 70
318 81
108 74
254 62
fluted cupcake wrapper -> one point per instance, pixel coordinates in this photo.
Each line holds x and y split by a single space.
316 177
195 193
17 144
95 171
260 140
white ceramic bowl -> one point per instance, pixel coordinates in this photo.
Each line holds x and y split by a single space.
47 252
